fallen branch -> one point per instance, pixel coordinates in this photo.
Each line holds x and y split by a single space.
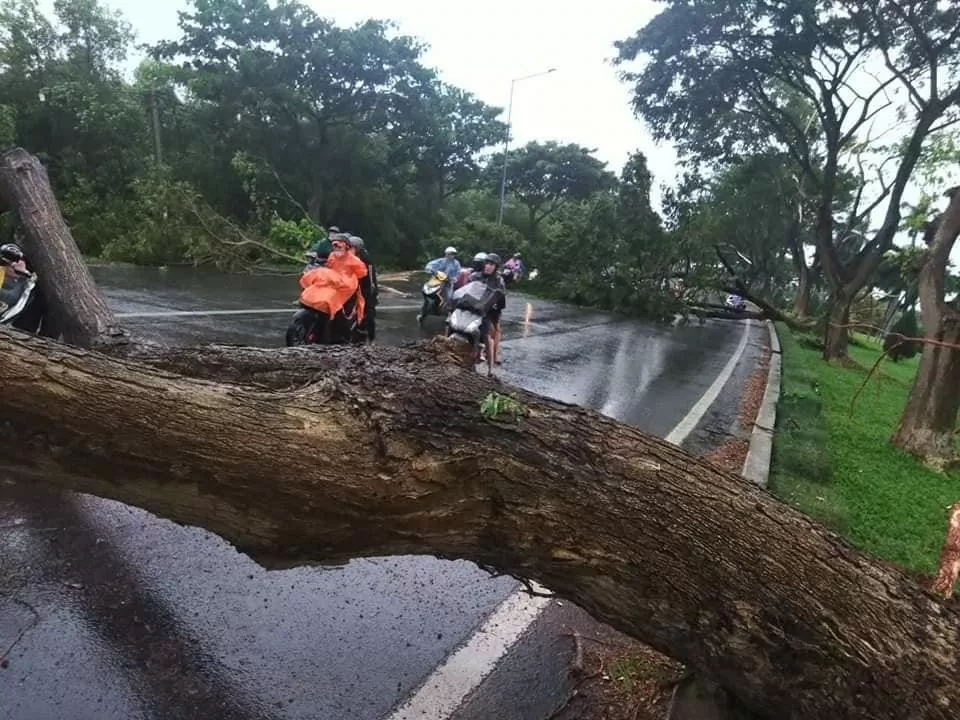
948 567
382 453
314 455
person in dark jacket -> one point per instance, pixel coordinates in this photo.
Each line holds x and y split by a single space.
368 288
14 274
490 328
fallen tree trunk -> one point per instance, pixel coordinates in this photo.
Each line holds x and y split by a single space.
384 455
323 455
78 312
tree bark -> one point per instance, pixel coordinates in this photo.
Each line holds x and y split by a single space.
837 335
948 567
322 455
801 304
78 311
926 427
386 456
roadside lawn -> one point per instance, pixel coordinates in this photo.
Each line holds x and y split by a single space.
839 467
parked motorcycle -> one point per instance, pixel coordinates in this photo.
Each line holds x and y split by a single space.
434 294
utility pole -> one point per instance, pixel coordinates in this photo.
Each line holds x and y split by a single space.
506 140
158 149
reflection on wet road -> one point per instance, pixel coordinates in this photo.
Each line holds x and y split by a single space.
122 615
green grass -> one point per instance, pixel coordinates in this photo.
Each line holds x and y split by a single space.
840 468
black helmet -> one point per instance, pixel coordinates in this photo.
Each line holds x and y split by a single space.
10 253
494 258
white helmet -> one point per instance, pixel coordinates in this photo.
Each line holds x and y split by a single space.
480 257
451 250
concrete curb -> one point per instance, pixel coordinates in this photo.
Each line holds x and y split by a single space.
756 468
696 698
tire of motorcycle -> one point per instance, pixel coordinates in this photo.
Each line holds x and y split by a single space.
302 329
425 309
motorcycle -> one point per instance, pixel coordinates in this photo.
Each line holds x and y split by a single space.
311 327
736 303
464 325
25 309
466 319
434 302
508 275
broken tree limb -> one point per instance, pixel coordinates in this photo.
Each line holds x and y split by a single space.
378 458
948 568
322 455
77 310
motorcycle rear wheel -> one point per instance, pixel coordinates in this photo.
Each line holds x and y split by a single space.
302 329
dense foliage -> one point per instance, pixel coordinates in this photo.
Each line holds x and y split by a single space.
263 123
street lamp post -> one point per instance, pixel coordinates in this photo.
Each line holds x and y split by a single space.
506 140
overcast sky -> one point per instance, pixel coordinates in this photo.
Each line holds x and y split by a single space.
482 46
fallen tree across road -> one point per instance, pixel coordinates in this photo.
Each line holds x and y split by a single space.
313 455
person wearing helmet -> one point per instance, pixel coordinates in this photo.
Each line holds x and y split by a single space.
490 328
368 288
476 266
319 252
14 275
450 266
515 266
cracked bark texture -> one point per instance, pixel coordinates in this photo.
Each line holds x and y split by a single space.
388 454
321 455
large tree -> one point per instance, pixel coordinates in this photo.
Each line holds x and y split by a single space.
697 562
545 176
927 425
65 96
346 123
723 75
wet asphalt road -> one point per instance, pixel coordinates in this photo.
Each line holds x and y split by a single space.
112 613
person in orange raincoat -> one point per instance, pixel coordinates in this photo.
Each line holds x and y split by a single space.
328 289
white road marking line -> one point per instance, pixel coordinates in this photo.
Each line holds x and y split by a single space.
689 422
253 311
445 689
448 685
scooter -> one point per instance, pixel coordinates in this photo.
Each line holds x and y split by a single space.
311 327
737 303
434 302
464 325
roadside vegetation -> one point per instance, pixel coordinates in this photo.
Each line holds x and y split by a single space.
833 460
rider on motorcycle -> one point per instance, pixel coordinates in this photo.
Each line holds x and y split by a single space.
449 265
320 250
515 264
476 266
368 287
13 271
328 289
